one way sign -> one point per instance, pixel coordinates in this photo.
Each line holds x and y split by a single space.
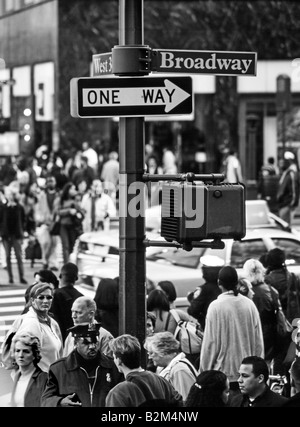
127 96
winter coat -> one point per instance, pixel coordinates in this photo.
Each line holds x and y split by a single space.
66 377
34 389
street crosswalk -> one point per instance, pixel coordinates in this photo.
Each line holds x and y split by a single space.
11 305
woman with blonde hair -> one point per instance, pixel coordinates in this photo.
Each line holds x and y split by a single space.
29 380
38 322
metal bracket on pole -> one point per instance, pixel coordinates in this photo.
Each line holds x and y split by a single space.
215 178
131 60
214 244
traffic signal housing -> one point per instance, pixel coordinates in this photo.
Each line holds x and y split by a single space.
196 211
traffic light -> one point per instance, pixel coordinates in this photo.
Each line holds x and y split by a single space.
26 125
193 212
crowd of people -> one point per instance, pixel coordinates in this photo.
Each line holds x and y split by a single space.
65 349
49 201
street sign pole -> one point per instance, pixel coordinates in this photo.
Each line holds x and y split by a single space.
132 298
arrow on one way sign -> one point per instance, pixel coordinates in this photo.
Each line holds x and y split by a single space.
131 96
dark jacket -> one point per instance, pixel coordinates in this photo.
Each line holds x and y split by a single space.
268 399
32 398
66 377
263 300
293 402
12 221
288 286
201 299
107 301
63 299
287 190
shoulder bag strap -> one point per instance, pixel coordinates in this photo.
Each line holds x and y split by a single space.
167 321
191 367
175 315
275 302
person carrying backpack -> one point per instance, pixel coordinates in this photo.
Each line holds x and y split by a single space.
184 328
172 364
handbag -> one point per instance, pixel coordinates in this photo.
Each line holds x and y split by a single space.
33 250
283 326
54 227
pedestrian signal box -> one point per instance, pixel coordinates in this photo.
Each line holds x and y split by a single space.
196 211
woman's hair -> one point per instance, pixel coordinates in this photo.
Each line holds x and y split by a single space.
207 390
30 341
127 348
169 289
65 191
254 270
152 317
158 300
47 276
36 290
162 343
244 286
107 294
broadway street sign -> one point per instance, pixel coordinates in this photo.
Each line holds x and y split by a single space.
128 96
204 62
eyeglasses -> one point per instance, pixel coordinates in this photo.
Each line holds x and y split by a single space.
42 297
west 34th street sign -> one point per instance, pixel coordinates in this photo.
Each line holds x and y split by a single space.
128 96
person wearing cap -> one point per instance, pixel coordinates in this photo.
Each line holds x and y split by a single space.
39 323
232 329
64 297
83 313
288 189
84 377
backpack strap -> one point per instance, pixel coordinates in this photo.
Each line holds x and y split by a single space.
175 315
167 321
275 301
191 367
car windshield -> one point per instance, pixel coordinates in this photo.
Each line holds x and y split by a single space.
242 250
180 257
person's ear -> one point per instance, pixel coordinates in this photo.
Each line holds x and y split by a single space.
261 378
